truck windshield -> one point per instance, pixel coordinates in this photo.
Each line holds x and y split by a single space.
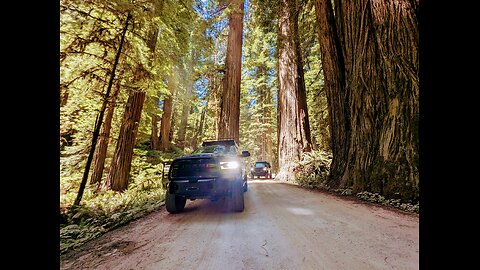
211 149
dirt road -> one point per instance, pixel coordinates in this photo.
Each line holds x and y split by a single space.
282 227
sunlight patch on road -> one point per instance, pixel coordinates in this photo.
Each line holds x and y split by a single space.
300 211
262 181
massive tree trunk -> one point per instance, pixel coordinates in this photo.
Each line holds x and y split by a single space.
382 67
118 176
294 129
380 49
152 44
103 140
229 125
166 123
334 84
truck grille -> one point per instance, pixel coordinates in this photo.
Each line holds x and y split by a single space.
198 168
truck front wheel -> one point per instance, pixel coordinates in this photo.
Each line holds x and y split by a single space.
237 197
174 203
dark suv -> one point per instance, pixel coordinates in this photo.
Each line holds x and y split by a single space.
215 170
261 168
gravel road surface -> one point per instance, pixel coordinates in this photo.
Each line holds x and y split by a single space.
283 227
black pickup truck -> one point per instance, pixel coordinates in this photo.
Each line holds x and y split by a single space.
213 171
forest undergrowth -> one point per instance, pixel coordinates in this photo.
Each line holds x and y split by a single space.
103 210
312 172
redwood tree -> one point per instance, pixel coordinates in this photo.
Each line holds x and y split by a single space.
229 123
117 178
294 129
336 92
166 121
379 42
103 139
154 139
99 120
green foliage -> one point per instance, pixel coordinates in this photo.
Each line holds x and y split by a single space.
313 170
266 13
101 211
396 203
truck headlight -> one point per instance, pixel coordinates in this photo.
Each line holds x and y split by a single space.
226 165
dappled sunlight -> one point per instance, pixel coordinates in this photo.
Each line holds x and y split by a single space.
264 181
300 211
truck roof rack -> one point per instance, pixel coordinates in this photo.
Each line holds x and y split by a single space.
226 142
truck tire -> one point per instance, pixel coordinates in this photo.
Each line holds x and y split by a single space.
173 203
237 197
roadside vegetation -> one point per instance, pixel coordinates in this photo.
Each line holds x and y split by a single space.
104 210
313 173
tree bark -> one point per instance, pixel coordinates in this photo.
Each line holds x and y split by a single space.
182 128
229 126
383 66
118 176
99 120
294 129
269 130
216 104
381 88
172 125
154 139
103 140
63 96
335 89
152 44
165 124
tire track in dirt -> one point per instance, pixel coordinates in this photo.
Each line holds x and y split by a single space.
283 227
